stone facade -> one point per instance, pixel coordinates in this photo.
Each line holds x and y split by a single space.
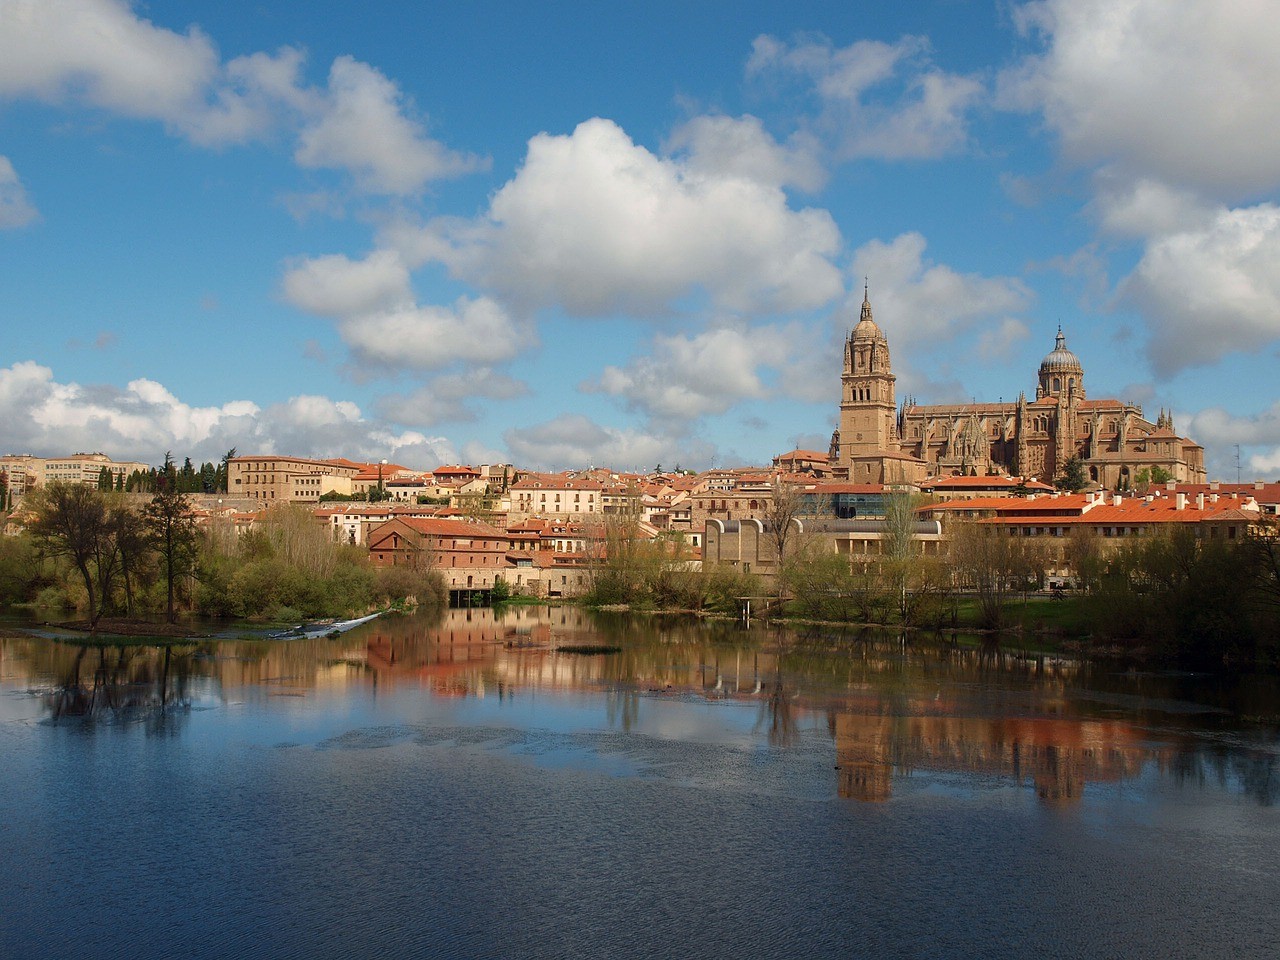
880 443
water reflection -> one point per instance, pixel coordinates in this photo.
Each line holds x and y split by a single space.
888 708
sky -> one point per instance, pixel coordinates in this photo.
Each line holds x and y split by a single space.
596 234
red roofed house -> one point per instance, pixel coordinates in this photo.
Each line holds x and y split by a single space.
470 555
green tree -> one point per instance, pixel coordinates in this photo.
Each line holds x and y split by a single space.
173 531
1072 479
104 479
71 521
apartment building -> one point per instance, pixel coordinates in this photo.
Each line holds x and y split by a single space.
274 479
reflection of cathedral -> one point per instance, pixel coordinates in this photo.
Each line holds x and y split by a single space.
1057 756
879 443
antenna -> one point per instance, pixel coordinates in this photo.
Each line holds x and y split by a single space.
1237 463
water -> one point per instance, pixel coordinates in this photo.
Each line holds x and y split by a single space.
462 789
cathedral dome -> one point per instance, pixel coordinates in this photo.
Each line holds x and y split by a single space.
1060 372
1060 359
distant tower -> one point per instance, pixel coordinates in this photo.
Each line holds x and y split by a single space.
868 410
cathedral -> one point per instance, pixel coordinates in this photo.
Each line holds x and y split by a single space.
880 442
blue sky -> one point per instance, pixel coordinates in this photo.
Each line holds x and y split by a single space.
580 233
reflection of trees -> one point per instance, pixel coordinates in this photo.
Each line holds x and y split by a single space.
123 683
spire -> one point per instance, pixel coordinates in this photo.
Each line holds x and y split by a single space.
866 300
1060 342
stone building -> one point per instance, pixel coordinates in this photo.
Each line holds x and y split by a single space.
878 442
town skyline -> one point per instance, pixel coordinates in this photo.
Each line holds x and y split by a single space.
575 236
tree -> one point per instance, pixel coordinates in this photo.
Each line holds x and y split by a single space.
994 564
1073 478
901 550
224 470
173 530
104 479
71 521
780 517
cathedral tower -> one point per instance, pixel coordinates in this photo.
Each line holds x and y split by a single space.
868 410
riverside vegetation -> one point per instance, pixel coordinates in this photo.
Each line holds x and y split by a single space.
110 555
1173 597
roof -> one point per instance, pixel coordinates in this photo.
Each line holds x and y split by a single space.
982 483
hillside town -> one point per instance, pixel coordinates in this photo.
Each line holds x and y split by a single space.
1051 471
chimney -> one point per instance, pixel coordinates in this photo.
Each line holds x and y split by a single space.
1200 502
1171 484
1117 500
1181 501
1258 484
1213 484
1088 497
1213 498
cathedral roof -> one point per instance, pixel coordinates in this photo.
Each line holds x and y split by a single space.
1060 358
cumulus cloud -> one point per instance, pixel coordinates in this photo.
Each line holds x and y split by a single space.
100 54
1210 291
881 100
446 399
475 331
386 330
364 129
39 415
336 286
574 441
688 377
1258 436
926 301
15 209
1187 98
721 146
597 224
1000 342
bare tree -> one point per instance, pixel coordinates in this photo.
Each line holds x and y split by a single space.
994 564
780 516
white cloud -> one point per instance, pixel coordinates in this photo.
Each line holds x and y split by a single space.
689 377
1185 95
386 330
1208 292
16 210
445 399
1142 207
475 331
596 224
335 286
720 146
876 99
1258 436
100 54
574 441
364 129
928 303
144 419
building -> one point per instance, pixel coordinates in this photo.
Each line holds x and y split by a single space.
879 442
275 479
468 554
24 472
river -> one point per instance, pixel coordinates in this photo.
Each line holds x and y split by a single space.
548 783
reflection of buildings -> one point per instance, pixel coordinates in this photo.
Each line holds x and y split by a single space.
1059 756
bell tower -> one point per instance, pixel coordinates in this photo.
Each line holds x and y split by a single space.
868 409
